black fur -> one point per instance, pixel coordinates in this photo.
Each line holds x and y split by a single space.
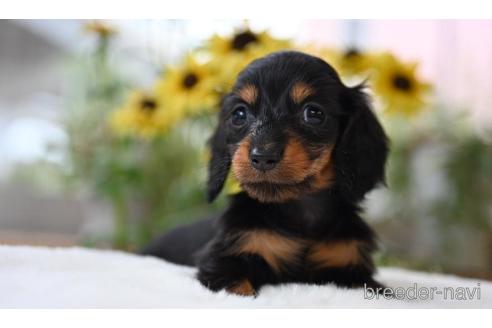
327 215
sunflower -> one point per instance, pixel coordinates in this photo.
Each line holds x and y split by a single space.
231 54
349 62
355 62
245 42
188 89
397 84
100 28
143 116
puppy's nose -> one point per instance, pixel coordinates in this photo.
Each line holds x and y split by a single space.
263 159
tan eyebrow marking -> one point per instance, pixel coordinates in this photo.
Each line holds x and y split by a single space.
248 93
300 91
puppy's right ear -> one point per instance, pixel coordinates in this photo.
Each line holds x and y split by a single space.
220 160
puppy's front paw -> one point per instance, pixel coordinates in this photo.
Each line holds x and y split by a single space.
242 288
216 282
213 280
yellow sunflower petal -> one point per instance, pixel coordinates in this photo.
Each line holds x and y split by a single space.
99 27
348 62
232 186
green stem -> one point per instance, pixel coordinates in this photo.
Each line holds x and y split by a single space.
121 231
146 229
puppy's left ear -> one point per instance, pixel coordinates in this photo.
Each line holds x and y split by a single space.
362 148
218 167
220 161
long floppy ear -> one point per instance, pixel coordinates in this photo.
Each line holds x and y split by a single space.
362 148
220 160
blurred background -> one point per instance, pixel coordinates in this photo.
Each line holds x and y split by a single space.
103 127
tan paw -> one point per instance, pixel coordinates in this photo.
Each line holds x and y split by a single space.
243 288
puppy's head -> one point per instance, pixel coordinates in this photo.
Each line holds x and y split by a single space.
290 128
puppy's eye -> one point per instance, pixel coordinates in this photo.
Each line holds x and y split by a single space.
239 115
313 115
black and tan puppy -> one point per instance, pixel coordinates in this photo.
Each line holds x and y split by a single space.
305 149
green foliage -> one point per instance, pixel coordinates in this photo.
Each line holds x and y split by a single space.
464 161
151 183
469 170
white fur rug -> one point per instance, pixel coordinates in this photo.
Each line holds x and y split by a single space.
34 277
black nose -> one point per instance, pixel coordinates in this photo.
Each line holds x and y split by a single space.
263 159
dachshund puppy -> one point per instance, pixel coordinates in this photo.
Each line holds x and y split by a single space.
305 149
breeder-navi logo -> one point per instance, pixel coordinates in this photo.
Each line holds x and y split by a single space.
423 293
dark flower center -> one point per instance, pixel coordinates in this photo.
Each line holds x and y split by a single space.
148 105
241 40
351 53
402 82
190 80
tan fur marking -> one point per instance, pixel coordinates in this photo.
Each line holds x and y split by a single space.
296 160
322 169
300 91
241 154
244 288
273 248
294 167
248 93
334 254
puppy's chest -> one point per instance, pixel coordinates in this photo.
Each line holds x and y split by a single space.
282 252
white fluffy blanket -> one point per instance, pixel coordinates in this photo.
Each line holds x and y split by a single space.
33 277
